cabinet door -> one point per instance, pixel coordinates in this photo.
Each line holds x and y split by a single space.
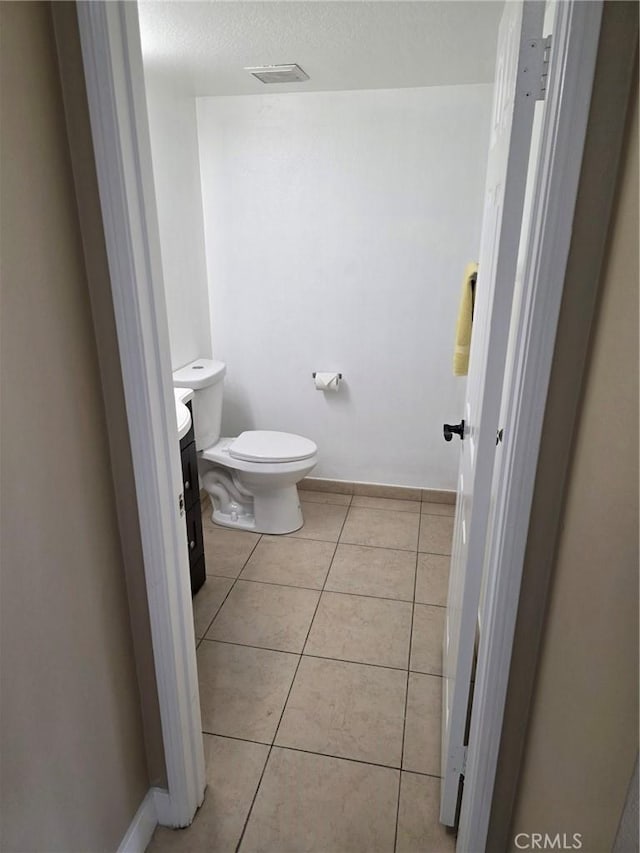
195 541
198 574
190 475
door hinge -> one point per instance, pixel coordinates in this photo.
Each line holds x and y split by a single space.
532 80
544 73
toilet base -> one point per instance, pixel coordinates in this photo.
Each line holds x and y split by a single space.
276 511
224 519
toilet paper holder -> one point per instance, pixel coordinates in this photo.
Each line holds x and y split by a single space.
327 381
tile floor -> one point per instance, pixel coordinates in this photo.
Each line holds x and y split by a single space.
319 661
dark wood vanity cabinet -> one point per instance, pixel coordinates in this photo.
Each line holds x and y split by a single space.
193 509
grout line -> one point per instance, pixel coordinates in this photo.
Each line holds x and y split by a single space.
252 646
365 545
430 604
335 591
395 838
370 595
422 773
314 656
235 580
406 693
227 577
318 657
333 556
422 672
286 701
329 589
356 662
321 754
360 544
253 799
339 757
237 737
387 509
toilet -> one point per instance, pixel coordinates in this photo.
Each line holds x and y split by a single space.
252 479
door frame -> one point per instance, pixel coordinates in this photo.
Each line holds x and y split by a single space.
110 41
574 49
112 58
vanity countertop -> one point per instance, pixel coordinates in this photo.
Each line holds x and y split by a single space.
183 416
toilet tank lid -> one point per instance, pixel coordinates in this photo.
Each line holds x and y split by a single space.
271 446
199 373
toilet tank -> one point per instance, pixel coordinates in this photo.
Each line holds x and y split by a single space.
204 376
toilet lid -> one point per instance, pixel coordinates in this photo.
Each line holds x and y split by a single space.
270 446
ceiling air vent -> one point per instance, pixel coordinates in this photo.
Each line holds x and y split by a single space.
278 73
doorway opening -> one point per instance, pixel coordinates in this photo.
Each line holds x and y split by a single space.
120 27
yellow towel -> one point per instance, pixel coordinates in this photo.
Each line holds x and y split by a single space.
463 325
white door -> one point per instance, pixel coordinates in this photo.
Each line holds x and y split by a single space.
517 87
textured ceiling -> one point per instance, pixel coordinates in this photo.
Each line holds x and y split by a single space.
202 47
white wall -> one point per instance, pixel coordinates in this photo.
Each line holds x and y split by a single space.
176 170
337 228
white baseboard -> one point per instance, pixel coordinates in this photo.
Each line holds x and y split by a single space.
164 812
142 826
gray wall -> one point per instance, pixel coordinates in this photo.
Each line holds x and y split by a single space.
73 761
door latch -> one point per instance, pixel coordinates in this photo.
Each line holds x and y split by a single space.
449 429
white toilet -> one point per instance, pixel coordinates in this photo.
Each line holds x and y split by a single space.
251 479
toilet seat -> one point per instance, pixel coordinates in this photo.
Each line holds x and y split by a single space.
264 446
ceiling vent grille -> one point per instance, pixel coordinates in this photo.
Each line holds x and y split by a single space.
278 73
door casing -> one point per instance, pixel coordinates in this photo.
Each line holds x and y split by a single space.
114 79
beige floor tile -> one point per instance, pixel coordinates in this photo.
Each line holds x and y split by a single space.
436 532
348 710
207 601
324 497
386 503
321 521
422 729
317 804
426 639
431 508
233 769
381 528
298 562
419 828
265 615
226 551
358 628
243 690
382 572
432 581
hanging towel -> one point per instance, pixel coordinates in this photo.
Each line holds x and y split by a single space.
465 319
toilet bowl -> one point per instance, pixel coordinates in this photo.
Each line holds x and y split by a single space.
252 479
